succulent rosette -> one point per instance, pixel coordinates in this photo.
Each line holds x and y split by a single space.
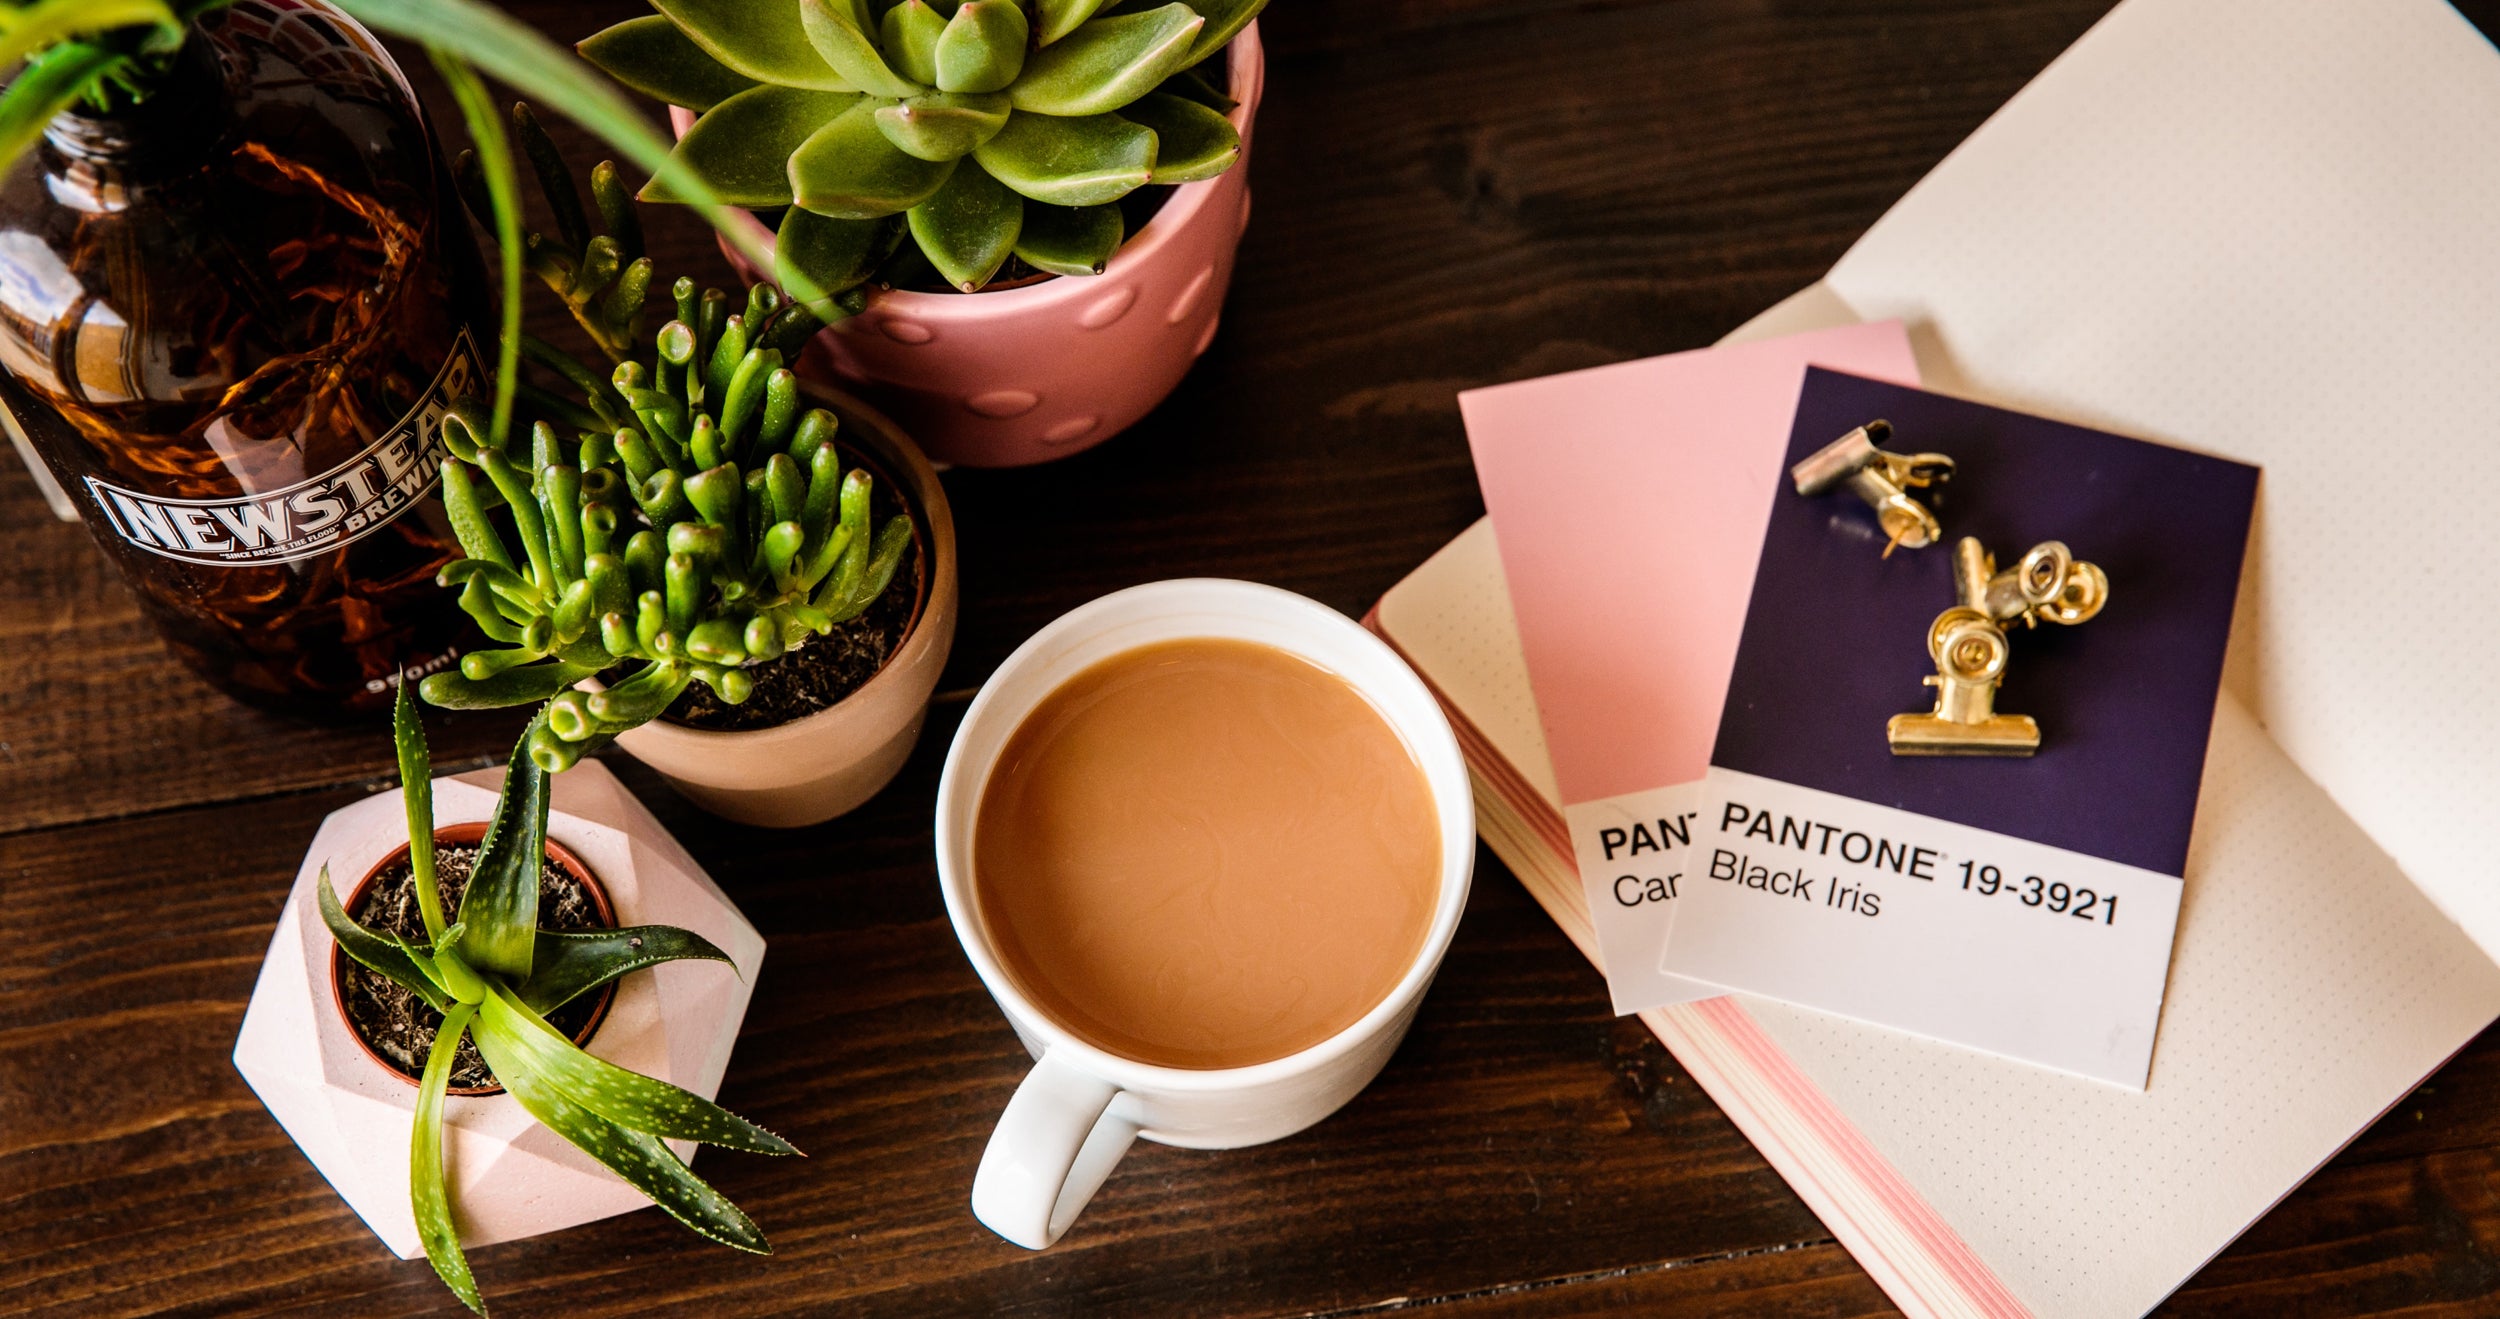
978 129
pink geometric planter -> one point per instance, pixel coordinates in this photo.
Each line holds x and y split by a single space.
1025 375
510 1177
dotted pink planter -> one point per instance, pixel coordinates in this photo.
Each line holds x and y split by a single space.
1025 375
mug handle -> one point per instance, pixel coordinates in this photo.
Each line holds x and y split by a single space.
1054 1146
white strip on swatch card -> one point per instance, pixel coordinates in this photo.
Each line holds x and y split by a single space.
1635 856
1961 934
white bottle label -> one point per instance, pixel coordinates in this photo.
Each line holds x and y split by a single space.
314 516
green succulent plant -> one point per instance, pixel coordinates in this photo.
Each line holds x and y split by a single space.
494 975
696 521
979 129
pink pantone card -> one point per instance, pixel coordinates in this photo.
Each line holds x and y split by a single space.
1629 502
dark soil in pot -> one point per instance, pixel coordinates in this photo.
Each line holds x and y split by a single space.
818 675
393 1022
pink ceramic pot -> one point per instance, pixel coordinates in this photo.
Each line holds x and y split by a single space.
1024 375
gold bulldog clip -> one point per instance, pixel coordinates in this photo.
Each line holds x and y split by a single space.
1968 644
1884 480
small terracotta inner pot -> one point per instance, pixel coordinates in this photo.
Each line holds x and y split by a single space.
464 835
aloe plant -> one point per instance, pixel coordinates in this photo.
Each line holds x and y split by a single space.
494 976
979 129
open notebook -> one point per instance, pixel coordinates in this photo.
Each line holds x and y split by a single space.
2261 228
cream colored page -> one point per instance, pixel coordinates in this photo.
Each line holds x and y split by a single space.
2310 988
2266 228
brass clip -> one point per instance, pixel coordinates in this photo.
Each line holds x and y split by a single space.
1882 479
1968 644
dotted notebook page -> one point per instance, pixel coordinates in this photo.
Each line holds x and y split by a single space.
2310 988
2264 228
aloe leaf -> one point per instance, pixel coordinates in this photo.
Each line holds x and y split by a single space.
426 1193
1225 20
910 32
416 789
762 39
501 904
494 154
40 23
1070 162
741 148
426 965
1189 86
1061 17
982 49
968 229
627 1098
640 1159
833 28
519 55
1070 240
838 255
377 954
1107 63
49 83
571 964
942 125
849 171
1192 142
655 57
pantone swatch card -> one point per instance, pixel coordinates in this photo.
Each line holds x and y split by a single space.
1628 501
2024 906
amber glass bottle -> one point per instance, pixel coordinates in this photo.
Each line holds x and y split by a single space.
232 314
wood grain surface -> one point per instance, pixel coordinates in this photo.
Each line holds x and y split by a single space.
1449 193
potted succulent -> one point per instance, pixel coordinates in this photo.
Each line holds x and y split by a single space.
1072 167
564 897
408 1047
747 581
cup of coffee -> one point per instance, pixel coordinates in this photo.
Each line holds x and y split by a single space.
1205 842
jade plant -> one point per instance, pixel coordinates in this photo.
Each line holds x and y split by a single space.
979 129
687 518
493 975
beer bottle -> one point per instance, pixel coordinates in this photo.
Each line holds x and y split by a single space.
232 313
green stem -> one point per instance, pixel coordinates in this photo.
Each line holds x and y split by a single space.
503 190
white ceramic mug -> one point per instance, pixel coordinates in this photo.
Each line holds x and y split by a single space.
1080 1107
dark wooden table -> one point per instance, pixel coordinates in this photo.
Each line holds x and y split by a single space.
1450 193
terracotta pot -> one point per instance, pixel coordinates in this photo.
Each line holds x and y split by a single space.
511 1176
1008 377
463 835
819 766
